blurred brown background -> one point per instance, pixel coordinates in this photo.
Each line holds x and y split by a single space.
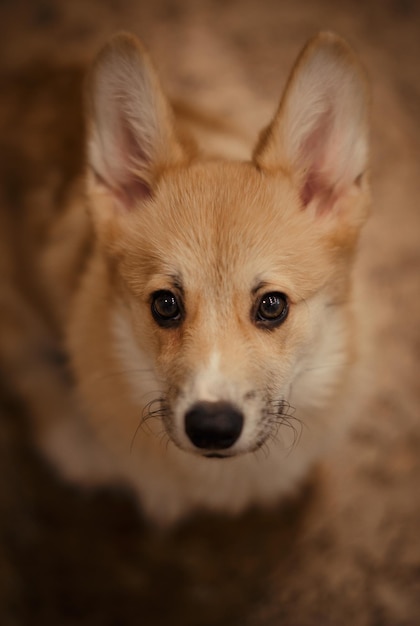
347 552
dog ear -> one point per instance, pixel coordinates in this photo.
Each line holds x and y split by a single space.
319 135
131 129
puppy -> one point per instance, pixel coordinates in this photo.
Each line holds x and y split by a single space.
210 330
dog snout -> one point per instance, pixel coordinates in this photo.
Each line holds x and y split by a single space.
213 425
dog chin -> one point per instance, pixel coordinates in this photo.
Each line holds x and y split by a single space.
208 454
232 453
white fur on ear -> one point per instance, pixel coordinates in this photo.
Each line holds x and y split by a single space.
131 129
320 132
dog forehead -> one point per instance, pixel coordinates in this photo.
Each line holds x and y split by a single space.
214 214
226 226
226 206
219 187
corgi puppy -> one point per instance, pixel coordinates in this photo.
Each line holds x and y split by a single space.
211 332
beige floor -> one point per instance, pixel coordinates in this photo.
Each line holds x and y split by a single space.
346 554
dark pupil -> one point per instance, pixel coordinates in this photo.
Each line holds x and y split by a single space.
166 306
272 306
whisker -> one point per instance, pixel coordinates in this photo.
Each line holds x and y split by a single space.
164 439
155 409
281 414
134 436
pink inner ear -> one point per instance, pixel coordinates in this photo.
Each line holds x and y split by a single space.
122 177
310 188
130 187
313 155
127 194
315 189
132 153
133 192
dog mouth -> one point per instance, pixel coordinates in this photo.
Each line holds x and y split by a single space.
216 455
232 454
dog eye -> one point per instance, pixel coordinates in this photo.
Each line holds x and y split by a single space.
166 309
272 309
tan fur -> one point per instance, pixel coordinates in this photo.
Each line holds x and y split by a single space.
171 213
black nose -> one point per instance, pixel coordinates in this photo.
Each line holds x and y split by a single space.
213 425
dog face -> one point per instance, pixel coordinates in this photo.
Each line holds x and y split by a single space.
232 278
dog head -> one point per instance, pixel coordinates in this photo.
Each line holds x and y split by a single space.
232 278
